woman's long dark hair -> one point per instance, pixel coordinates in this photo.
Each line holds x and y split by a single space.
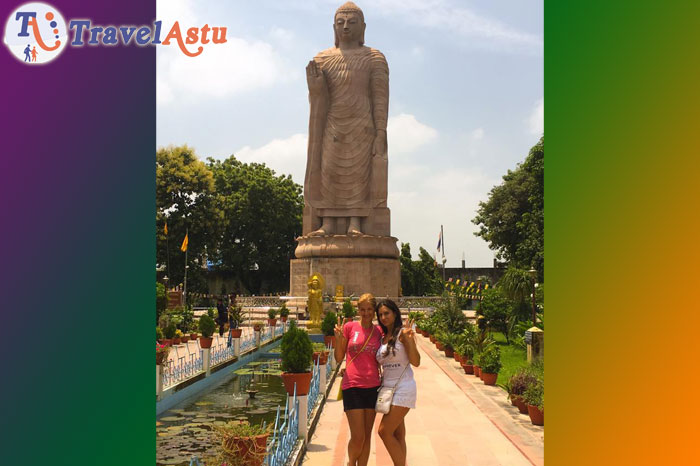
398 324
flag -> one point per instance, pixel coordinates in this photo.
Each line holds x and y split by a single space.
183 248
439 241
165 229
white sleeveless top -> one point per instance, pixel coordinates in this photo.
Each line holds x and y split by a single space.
393 366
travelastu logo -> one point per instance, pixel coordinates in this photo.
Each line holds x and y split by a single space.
36 33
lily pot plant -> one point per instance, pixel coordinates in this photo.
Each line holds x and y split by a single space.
257 325
490 364
320 354
241 443
296 353
207 326
534 397
284 312
236 317
328 328
272 317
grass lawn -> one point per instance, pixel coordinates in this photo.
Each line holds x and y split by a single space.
512 357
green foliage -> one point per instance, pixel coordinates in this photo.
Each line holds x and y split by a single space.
328 323
236 316
159 333
161 300
296 350
271 313
449 317
490 360
496 309
516 284
421 277
349 311
284 310
207 326
520 380
262 217
534 394
512 219
318 347
170 330
211 313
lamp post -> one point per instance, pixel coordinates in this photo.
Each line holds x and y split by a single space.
533 275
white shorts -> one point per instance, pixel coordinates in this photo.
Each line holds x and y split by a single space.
405 394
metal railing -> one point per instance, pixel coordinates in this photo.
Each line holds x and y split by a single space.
175 373
314 389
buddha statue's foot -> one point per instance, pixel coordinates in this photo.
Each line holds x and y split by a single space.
319 232
354 232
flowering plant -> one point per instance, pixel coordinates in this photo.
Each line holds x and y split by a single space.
178 333
162 352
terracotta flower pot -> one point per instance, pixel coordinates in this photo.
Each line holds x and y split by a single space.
167 341
250 450
257 327
177 341
322 355
450 353
185 338
302 379
283 319
432 339
522 406
193 336
271 322
328 340
458 357
488 378
477 371
160 358
536 416
440 346
205 342
236 332
468 368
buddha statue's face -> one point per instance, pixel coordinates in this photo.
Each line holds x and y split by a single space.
348 27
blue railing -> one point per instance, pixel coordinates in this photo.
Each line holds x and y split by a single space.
183 370
221 353
283 437
314 389
329 370
247 343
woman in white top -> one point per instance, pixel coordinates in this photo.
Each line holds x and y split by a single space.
396 355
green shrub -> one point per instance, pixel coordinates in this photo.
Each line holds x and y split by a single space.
534 394
211 313
348 309
284 311
520 380
161 300
328 324
207 326
169 330
271 313
159 333
296 350
490 360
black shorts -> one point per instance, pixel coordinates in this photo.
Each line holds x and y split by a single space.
360 398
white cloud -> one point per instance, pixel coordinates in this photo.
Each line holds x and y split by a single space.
285 156
445 14
477 134
406 134
536 120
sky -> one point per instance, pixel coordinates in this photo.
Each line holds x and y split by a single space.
466 102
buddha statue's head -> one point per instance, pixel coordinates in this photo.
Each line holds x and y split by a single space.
349 24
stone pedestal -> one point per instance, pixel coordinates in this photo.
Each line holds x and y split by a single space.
534 338
377 275
206 361
237 347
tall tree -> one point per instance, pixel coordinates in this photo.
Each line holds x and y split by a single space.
262 218
185 198
512 219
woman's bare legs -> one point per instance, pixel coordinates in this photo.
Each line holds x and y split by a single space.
356 421
370 414
400 434
387 431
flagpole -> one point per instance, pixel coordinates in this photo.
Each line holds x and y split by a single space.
442 236
167 251
184 291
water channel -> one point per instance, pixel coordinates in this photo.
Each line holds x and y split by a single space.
186 430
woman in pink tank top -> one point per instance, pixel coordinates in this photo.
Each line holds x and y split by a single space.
357 343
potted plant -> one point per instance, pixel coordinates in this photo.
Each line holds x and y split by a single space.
159 335
169 333
236 318
477 361
320 354
241 443
534 397
193 331
258 325
271 317
490 363
296 353
284 312
348 310
177 339
518 383
328 328
207 326
448 343
162 352
467 357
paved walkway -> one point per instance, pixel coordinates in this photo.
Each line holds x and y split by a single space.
457 421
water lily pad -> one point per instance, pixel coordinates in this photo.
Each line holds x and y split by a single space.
204 403
172 418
